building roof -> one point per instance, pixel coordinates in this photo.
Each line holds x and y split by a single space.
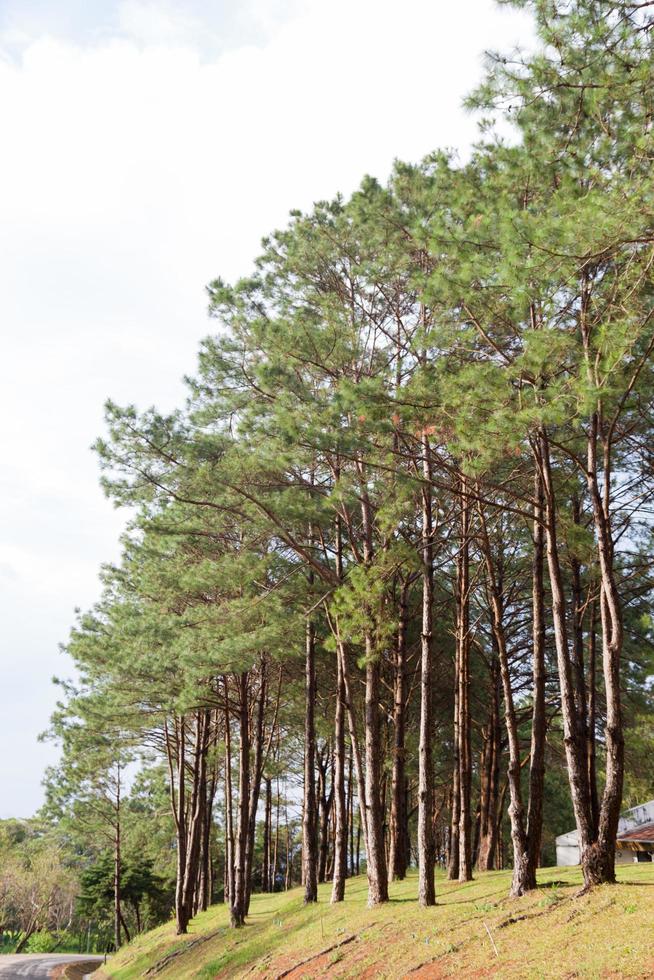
644 834
637 824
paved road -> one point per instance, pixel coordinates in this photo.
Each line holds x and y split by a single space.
38 966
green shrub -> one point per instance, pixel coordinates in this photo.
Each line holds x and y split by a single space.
42 942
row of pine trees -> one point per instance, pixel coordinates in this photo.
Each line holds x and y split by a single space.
397 544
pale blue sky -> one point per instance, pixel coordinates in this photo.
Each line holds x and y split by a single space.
147 147
211 27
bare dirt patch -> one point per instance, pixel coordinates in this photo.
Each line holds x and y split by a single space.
312 966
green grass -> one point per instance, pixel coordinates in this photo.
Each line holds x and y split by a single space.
475 930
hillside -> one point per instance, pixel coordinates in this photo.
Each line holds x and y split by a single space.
475 931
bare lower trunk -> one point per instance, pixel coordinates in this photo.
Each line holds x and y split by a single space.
205 877
340 811
592 713
398 857
178 800
238 898
426 857
521 881
117 868
374 819
577 638
354 739
455 804
463 639
256 775
267 839
500 864
275 856
229 812
288 881
196 811
375 853
538 720
490 766
309 825
350 813
599 860
575 744
327 828
355 746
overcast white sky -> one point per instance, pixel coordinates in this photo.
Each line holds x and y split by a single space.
147 146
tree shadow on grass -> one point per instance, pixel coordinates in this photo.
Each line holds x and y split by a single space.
445 899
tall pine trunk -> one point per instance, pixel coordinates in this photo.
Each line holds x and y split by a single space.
490 774
522 881
426 855
455 798
230 860
398 857
117 862
599 860
592 711
375 850
573 735
538 720
463 701
196 811
340 813
238 897
256 774
267 839
176 754
309 823
326 826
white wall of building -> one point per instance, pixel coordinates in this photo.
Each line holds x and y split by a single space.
567 845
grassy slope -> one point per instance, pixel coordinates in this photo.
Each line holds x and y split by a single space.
550 933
